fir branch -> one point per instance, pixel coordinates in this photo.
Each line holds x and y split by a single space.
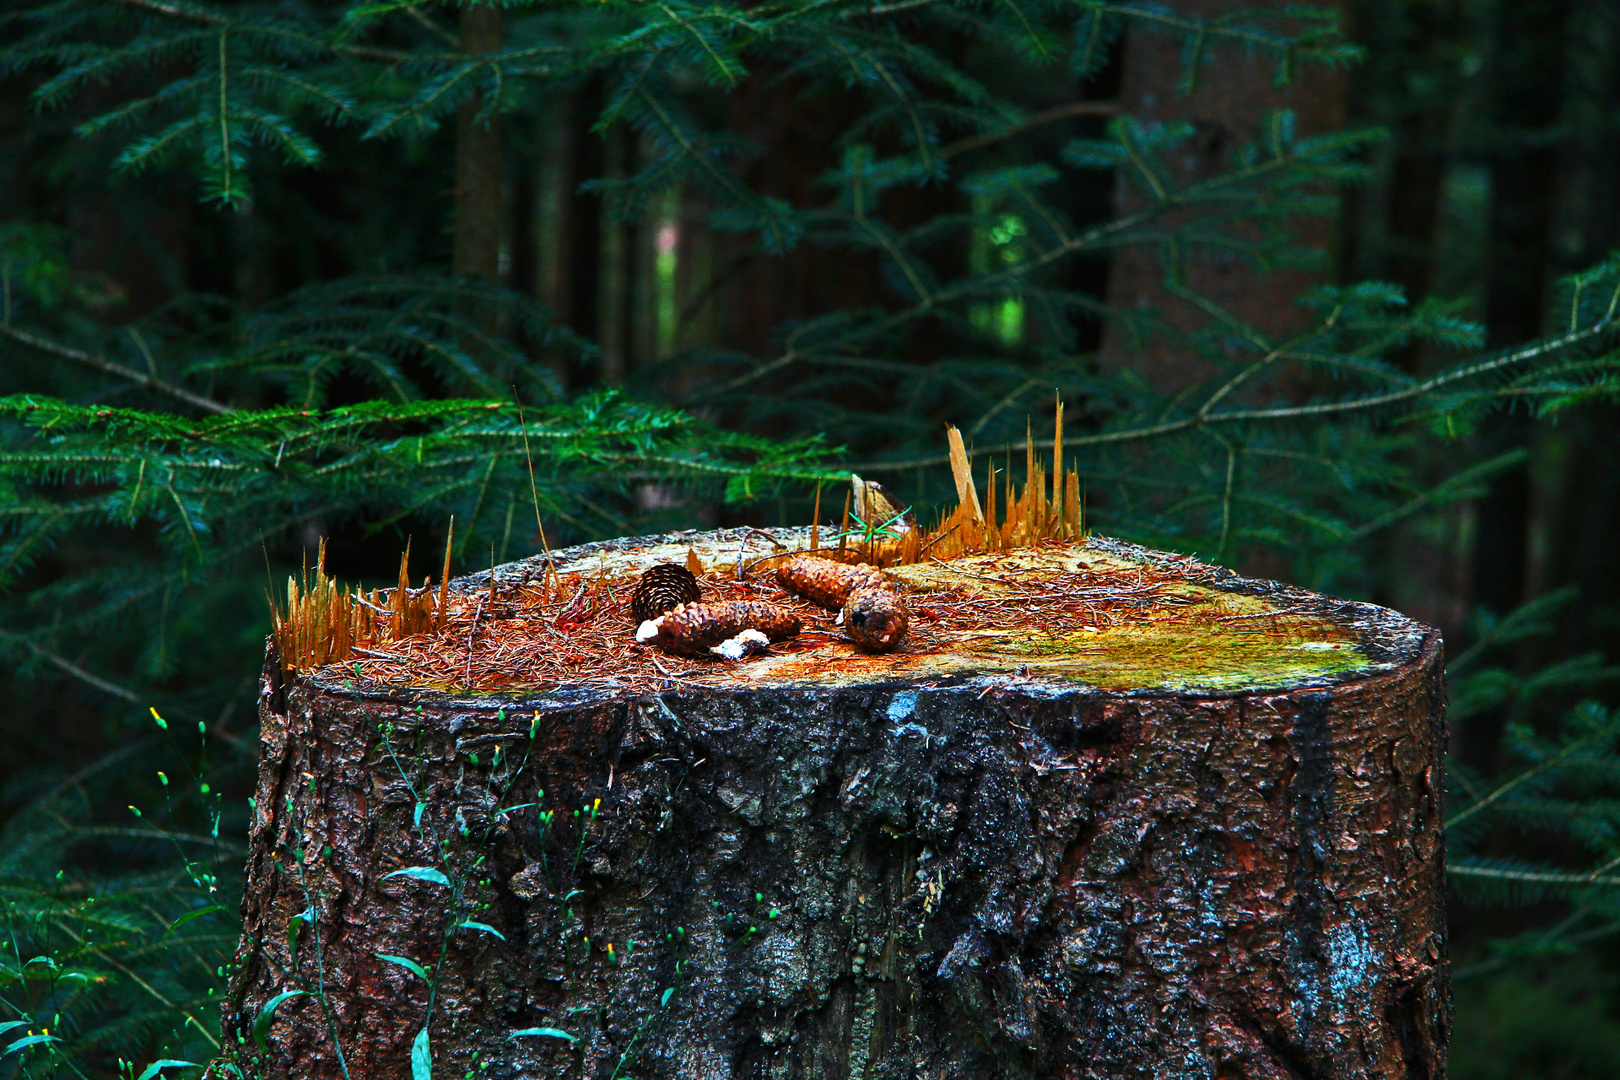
1523 778
64 664
1515 875
149 381
1110 232
1321 410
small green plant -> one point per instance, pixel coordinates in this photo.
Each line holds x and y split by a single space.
584 1018
109 971
745 928
464 876
868 532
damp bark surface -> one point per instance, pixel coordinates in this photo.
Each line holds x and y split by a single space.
1005 865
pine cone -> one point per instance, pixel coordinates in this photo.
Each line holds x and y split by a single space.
826 582
695 629
874 613
663 588
876 618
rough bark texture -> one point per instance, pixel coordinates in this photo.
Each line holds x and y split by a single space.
979 876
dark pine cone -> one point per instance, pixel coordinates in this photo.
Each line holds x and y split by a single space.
663 588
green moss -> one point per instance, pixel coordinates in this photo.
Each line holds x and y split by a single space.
1180 655
1187 635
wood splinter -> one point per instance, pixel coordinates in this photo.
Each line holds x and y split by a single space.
871 609
729 629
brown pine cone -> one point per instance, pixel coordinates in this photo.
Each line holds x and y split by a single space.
696 629
663 588
826 582
874 613
876 618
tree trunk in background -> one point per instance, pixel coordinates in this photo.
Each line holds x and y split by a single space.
993 875
1524 72
798 135
581 229
759 291
553 170
615 267
1579 506
1225 111
1391 220
478 160
1420 221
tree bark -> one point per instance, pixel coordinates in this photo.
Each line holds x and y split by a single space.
478 159
1523 183
1226 110
975 872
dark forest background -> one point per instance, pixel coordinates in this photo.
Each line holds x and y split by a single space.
698 343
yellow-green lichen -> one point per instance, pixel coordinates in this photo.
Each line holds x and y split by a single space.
1176 656
1183 635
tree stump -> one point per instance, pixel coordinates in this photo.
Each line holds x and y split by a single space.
1107 814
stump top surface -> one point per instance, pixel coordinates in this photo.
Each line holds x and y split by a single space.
1100 614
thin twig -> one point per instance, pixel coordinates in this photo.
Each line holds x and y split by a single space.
471 632
667 673
1243 416
110 367
76 671
1040 119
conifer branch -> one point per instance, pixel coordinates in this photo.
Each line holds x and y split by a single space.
987 284
111 367
104 685
1330 409
209 18
1535 877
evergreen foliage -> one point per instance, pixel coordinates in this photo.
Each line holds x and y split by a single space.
1560 799
116 922
147 468
1512 1026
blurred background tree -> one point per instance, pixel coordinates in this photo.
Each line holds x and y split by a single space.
281 270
